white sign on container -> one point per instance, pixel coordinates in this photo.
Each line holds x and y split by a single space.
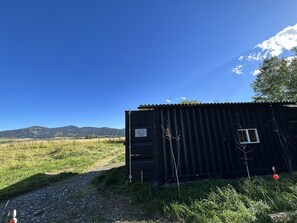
140 133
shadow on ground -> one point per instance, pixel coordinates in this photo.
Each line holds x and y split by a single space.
32 183
78 198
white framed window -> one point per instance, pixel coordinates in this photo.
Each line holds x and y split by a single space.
248 136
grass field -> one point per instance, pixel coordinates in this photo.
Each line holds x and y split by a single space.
27 165
213 200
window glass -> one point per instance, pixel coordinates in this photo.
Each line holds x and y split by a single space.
253 135
242 135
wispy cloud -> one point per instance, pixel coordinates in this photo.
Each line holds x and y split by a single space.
252 56
284 40
176 100
238 69
255 56
181 98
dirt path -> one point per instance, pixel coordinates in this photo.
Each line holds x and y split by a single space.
76 200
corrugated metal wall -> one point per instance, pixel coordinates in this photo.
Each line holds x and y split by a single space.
207 143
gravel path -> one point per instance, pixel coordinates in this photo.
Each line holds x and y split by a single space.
76 200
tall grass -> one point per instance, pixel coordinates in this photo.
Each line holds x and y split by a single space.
52 160
213 200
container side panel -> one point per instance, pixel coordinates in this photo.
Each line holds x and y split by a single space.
291 118
184 144
198 157
203 141
191 145
220 139
227 129
216 136
203 146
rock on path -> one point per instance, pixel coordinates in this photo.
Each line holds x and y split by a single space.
76 200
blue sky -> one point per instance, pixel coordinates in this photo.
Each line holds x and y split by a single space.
85 62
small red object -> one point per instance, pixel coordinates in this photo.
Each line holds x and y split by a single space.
13 220
275 176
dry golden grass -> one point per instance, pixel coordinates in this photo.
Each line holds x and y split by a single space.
22 159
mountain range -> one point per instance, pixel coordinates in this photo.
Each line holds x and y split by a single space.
38 132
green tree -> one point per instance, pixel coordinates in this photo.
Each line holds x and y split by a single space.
277 80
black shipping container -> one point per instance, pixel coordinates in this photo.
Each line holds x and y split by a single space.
209 140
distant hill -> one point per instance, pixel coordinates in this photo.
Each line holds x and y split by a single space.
39 132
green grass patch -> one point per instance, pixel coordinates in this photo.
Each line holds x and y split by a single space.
28 165
213 200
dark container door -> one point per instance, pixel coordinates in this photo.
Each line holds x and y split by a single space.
140 163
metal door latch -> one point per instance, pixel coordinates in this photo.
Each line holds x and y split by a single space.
135 155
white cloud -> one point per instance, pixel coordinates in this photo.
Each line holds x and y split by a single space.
238 69
241 58
254 56
284 40
256 72
274 46
167 100
181 98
